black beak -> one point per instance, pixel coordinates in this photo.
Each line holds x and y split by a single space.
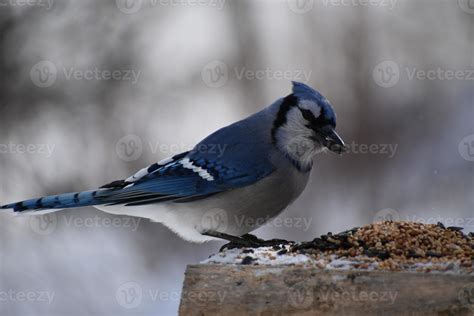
334 142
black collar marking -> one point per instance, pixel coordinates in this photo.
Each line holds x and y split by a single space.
288 102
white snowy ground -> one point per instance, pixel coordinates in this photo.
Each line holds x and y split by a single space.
270 256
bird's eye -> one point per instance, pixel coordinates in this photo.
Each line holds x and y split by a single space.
307 114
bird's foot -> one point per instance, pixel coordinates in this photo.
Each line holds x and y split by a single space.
245 241
252 241
236 241
265 243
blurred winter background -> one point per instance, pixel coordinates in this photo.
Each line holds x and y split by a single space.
92 91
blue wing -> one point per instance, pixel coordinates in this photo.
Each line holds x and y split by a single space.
233 157
213 166
192 176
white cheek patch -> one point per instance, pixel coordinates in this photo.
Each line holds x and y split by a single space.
311 106
199 170
296 139
295 120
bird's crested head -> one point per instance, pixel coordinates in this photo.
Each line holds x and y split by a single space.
305 125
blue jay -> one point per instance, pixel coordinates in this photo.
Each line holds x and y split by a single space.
202 194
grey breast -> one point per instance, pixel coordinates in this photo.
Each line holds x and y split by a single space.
245 209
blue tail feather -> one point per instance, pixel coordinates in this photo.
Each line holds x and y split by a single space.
61 201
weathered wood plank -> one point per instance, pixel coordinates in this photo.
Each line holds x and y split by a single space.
298 290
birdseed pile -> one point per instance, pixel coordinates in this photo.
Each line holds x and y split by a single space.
397 244
385 245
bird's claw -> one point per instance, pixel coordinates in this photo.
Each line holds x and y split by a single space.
252 241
